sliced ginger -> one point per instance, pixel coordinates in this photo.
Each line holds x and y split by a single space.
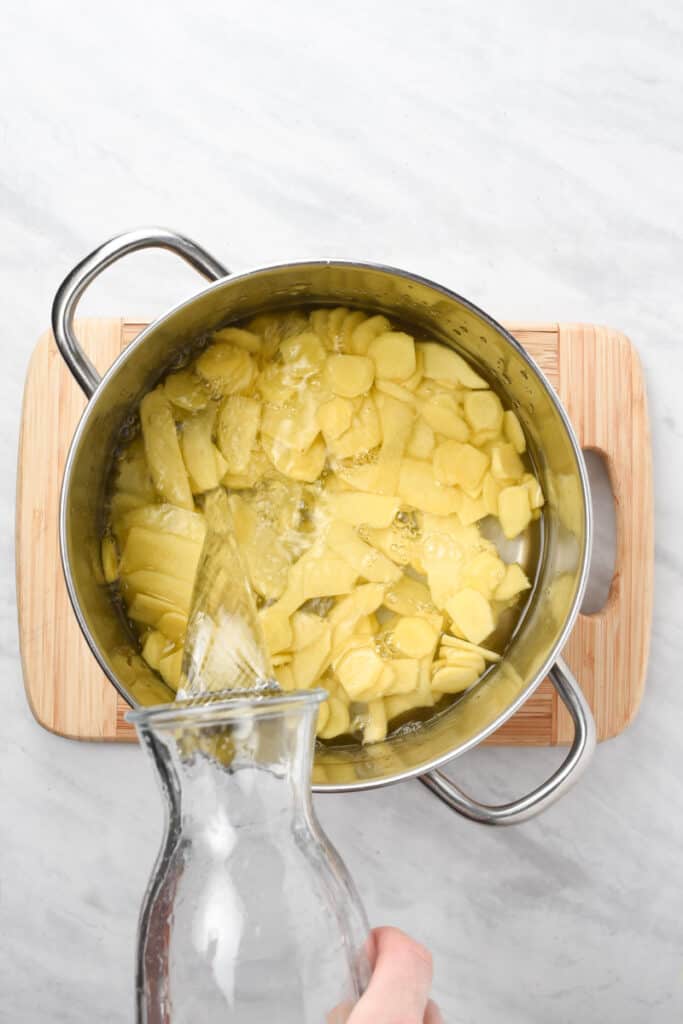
360 462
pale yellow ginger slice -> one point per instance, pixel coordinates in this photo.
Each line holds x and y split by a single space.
338 721
269 327
185 391
348 643
335 328
197 449
155 647
464 645
307 628
170 667
512 429
303 355
506 464
110 559
393 354
248 340
484 573
381 476
359 508
310 662
536 499
463 659
171 589
364 333
349 376
406 676
384 684
359 670
316 574
350 612
442 413
268 563
226 368
485 438
461 464
323 717
162 552
363 435
162 450
375 726
351 322
514 510
174 626
285 676
453 679
367 561
334 417
446 546
319 320
397 423
237 428
417 487
274 385
393 541
414 637
409 597
258 465
483 411
422 697
490 491
361 602
367 626
422 442
443 364
514 582
148 610
220 463
277 628
244 519
413 382
293 424
121 503
305 466
390 387
471 614
327 577
132 472
266 555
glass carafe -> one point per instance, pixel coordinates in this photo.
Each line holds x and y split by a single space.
250 916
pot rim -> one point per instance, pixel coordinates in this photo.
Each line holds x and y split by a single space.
448 293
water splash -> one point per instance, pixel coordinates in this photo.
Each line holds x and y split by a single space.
225 647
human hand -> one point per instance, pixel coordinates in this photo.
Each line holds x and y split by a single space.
400 983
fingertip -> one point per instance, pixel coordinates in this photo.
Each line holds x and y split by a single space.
393 942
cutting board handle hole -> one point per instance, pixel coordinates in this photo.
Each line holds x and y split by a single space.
603 561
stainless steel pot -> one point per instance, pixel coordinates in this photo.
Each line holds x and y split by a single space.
535 647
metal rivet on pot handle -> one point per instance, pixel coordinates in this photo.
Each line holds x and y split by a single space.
566 775
73 287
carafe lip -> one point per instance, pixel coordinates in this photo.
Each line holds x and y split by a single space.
263 703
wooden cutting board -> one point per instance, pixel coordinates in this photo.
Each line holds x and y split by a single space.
597 374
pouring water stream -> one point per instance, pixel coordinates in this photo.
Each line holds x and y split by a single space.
224 647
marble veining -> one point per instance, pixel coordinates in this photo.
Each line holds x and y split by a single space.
529 156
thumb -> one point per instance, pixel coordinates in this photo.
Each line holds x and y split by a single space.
400 984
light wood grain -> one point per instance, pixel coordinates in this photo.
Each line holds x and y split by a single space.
597 373
603 390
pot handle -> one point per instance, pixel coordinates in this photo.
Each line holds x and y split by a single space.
566 775
74 285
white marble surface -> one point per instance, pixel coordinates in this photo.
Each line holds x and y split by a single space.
526 154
